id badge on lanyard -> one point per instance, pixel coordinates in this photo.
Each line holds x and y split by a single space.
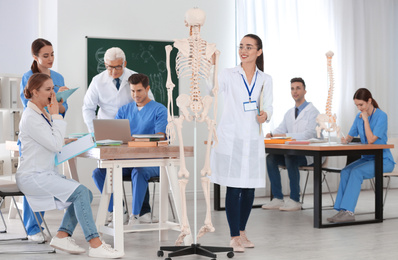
250 105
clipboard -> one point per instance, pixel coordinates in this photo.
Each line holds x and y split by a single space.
75 148
65 94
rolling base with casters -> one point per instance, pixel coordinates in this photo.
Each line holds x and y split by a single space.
195 249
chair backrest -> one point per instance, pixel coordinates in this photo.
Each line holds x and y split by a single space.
394 151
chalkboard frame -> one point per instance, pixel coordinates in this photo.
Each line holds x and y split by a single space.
143 56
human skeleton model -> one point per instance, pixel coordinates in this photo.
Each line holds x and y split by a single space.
194 60
328 118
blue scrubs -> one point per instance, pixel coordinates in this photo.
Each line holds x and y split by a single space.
151 119
353 175
28 217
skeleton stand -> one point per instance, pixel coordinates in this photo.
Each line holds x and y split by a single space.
195 248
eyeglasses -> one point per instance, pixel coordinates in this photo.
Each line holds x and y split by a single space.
247 48
119 67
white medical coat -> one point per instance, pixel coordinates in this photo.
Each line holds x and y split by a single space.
102 92
239 158
302 128
37 175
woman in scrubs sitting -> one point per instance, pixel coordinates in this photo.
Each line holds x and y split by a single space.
371 126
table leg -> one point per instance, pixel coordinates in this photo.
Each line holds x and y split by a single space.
317 191
104 202
118 207
379 185
163 199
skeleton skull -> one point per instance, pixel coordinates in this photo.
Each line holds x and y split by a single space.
195 17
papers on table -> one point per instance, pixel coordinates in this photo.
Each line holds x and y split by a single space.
109 142
75 148
65 94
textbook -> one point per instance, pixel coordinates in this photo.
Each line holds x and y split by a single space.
142 144
65 94
75 148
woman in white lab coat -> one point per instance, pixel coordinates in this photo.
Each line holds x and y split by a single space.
238 161
41 137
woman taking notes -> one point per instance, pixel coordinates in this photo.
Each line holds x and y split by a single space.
371 126
43 59
41 136
238 161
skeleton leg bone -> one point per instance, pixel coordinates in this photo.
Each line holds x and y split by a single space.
208 227
185 230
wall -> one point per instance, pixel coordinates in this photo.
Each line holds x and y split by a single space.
133 20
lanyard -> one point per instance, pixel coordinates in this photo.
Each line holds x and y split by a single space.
47 119
250 91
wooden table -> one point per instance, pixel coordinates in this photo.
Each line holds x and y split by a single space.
114 158
325 149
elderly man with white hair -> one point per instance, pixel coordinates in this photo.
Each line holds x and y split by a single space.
110 91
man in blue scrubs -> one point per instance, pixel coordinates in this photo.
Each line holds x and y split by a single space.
146 116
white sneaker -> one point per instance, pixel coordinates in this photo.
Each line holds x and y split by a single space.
291 205
38 237
104 251
146 218
134 219
110 218
66 244
273 204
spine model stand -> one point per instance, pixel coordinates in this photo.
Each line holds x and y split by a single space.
195 58
327 121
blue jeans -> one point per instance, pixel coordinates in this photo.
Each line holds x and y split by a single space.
29 219
238 205
351 178
139 183
80 211
292 163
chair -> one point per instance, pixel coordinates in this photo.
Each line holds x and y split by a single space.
394 173
308 169
10 189
153 180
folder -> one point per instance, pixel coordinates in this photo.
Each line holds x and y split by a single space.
65 94
75 148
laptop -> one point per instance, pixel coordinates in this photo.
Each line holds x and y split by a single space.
112 129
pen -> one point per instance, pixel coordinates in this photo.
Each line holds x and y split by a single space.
258 111
344 137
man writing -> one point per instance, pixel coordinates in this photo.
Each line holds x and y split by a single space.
146 116
299 123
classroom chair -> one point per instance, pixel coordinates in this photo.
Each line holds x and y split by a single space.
10 189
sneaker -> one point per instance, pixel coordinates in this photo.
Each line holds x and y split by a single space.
332 218
245 241
38 237
236 244
134 219
104 251
346 216
273 204
291 205
110 218
146 218
66 244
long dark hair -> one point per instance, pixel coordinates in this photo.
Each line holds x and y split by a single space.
364 95
259 43
36 47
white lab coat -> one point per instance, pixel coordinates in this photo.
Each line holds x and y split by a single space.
302 128
239 158
102 92
37 175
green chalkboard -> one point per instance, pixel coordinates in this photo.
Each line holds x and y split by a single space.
148 57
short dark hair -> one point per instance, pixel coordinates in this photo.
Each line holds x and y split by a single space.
298 80
139 78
